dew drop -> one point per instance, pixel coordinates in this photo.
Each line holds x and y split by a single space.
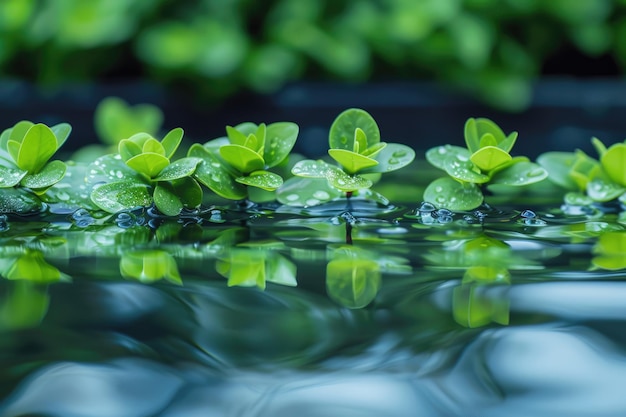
292 197
322 195
312 202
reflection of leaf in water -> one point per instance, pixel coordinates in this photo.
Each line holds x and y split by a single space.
150 266
23 306
31 266
254 267
474 306
610 251
353 282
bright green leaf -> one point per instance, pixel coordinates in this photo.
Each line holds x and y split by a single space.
448 193
51 173
13 147
438 155
374 150
32 266
153 146
600 190
310 168
351 162
360 140
172 141
235 136
342 136
148 164
180 168
61 132
347 183
390 158
262 179
599 146
189 192
10 177
614 163
241 158
115 120
149 266
306 192
463 169
280 140
19 201
487 140
521 173
124 195
19 130
37 147
166 200
111 168
558 165
489 157
128 149
213 174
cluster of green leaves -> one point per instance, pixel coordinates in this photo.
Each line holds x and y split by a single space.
354 140
601 180
485 162
492 48
25 152
243 158
142 173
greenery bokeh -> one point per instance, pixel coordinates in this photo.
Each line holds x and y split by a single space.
492 49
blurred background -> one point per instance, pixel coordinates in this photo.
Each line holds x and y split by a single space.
553 70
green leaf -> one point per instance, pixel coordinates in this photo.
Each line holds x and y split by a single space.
476 129
149 164
166 200
237 137
72 191
558 165
489 157
32 266
10 177
306 192
390 158
600 190
260 136
521 173
128 149
149 266
487 140
61 132
172 141
37 147
280 140
360 140
599 146
310 169
241 158
262 179
353 283
374 150
280 270
454 195
614 163
13 148
344 182
124 195
153 146
438 155
213 174
19 201
351 162
472 136
180 168
53 172
189 192
24 306
19 130
111 168
463 169
342 131
244 268
471 308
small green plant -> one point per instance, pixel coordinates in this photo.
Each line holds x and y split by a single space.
142 174
115 120
25 151
354 140
242 159
485 162
601 180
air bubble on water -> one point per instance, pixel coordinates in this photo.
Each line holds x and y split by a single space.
427 207
82 218
444 219
528 214
4 223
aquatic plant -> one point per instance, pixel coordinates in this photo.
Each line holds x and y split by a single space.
485 162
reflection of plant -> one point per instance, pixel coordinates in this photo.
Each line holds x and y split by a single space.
243 158
25 150
255 266
142 174
610 251
602 180
149 266
485 161
30 266
473 306
354 141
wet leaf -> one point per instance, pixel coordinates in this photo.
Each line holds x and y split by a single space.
180 168
280 140
353 283
438 155
212 173
166 200
237 136
600 190
614 163
351 162
374 150
476 129
489 157
153 146
72 191
454 195
61 132
342 136
18 201
37 147
127 149
10 177
189 192
463 169
111 168
148 164
51 173
306 192
19 130
172 141
390 158
344 182
124 195
521 173
262 179
241 158
310 168
558 165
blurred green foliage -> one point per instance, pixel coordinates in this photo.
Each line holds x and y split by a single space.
490 48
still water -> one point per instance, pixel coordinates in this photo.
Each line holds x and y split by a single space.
413 313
